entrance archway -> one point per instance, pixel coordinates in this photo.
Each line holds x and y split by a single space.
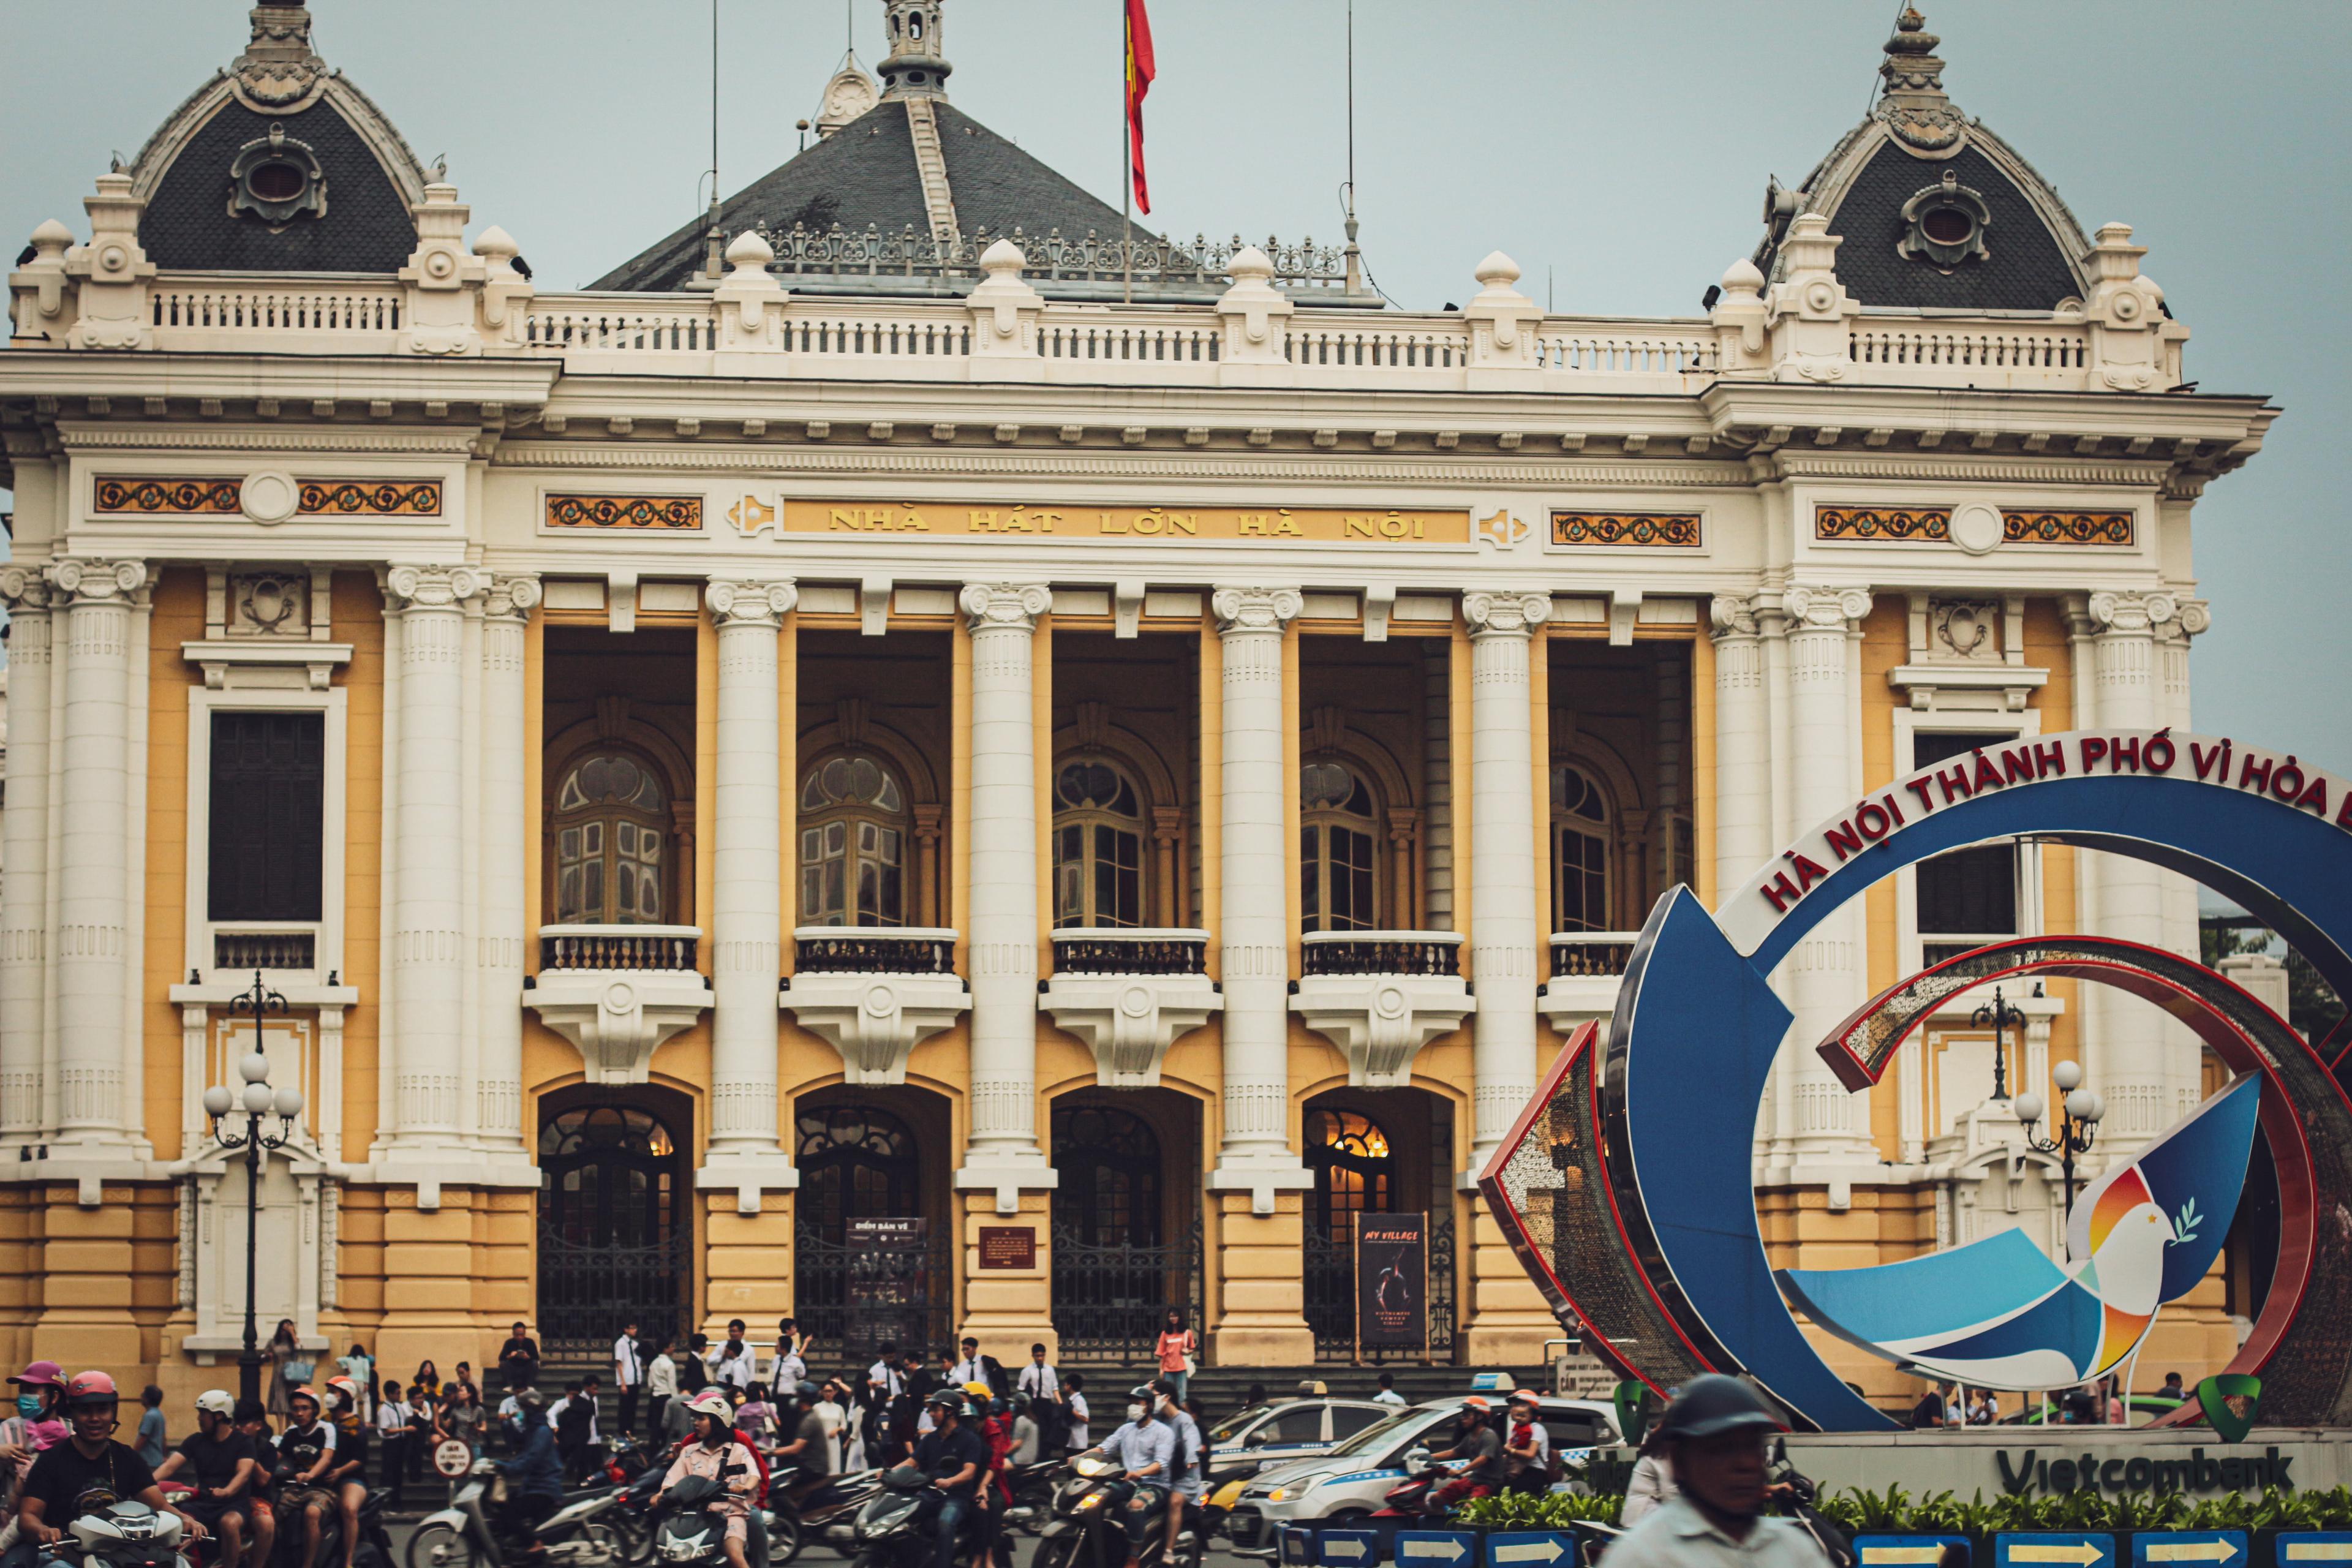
1375 1151
860 1154
615 1224
1127 1233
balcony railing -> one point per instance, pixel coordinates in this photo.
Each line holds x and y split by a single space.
1591 954
1138 949
237 950
1382 952
617 947
874 949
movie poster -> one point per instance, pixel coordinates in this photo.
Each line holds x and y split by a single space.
1391 1281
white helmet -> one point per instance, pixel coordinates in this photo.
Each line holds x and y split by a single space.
216 1401
711 1402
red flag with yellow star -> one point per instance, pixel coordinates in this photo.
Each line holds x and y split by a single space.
1139 72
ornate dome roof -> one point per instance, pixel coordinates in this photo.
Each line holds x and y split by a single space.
278 164
1935 210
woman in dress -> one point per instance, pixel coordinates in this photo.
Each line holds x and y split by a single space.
284 1346
1176 1350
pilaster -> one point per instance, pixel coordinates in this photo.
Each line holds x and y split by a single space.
24 850
505 936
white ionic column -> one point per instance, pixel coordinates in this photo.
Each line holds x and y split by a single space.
1504 930
25 852
2127 1045
1256 864
94 966
1002 876
1743 761
428 915
506 821
1824 975
747 908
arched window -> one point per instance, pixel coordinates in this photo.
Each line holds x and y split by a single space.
607 1178
1355 1173
855 1162
1579 851
612 836
853 824
1098 846
1339 863
1110 1194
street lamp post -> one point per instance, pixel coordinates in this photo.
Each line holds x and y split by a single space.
2078 1122
1998 1015
257 1099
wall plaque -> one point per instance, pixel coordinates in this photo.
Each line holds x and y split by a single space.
1008 1247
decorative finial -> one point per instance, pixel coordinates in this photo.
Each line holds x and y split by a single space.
278 73
1912 105
916 65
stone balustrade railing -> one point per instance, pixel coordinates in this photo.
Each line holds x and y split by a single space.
751 324
1586 954
1129 950
1381 952
634 947
874 949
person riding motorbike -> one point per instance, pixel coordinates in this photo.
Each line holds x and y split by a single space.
1526 1445
1188 1457
535 1473
811 1465
347 1475
954 1456
718 1453
1479 1448
225 1473
1145 1450
306 1450
88 1466
1716 1432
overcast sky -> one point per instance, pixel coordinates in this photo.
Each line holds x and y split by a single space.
1617 151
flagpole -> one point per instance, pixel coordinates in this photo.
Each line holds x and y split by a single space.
1127 155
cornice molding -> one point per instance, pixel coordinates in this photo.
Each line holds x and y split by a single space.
453 442
2012 471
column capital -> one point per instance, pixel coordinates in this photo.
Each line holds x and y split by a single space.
511 598
1004 607
23 589
1815 608
2135 614
750 601
82 581
407 588
1505 615
1242 610
1732 616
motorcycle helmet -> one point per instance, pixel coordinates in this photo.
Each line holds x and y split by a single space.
90 1388
953 1401
1713 1404
305 1391
217 1402
979 1394
711 1402
345 1391
530 1399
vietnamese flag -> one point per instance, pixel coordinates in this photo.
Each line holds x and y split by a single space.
1139 72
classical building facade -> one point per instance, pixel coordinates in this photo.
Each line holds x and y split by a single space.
894 708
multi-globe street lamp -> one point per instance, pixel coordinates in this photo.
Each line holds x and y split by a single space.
1998 1015
2078 1122
256 1099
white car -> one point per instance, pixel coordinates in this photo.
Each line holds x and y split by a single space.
1281 1431
1351 1481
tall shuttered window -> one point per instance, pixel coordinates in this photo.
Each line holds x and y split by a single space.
268 816
1967 896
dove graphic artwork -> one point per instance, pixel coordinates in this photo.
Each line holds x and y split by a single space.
1999 1314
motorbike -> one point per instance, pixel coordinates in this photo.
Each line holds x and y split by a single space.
1033 1487
1797 1503
624 1461
692 1531
894 1529
123 1534
375 1548
1088 1529
830 1513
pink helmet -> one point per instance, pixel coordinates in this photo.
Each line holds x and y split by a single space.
88 1388
41 1375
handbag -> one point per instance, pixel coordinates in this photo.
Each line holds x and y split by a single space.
298 1371
1192 1357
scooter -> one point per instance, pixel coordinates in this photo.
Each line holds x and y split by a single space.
375 1548
692 1533
1089 1526
895 1527
1033 1487
122 1534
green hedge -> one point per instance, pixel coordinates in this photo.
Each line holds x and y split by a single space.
1538 1511
1894 1512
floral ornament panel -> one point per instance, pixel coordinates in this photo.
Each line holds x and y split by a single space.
663 513
1881 524
2090 528
372 498
182 497
1642 530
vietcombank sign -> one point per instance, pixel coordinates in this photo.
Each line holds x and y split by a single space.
2025 1472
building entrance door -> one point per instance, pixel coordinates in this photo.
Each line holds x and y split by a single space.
861 1163
613 1228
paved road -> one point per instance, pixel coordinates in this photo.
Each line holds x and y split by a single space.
1025 1552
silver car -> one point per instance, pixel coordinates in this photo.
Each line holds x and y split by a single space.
1353 1480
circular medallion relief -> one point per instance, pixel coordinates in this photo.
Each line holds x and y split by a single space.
1975 528
270 496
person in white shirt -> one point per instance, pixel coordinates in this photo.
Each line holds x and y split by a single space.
1038 1380
1388 1395
975 1367
661 1388
790 1367
1715 1434
1074 1398
628 1375
734 1361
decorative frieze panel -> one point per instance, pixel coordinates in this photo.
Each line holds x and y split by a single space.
1935 525
659 514
1641 530
371 498
168 497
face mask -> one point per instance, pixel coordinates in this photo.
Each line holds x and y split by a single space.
1135 1413
28 1405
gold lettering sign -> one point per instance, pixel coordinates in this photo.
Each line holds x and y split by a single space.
1147 524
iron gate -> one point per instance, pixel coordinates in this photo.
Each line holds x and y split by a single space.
588 1293
1330 1293
1112 1300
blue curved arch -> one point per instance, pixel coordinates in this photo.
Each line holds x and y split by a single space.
1698 1027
